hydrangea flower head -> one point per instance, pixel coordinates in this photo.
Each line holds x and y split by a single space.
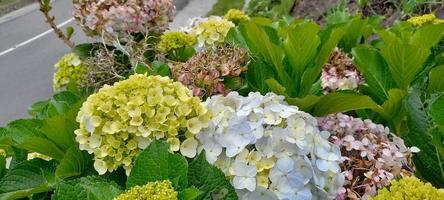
159 190
340 73
119 121
212 31
68 69
425 19
204 73
370 159
236 15
269 149
175 40
409 188
117 16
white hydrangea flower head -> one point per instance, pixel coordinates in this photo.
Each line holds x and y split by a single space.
269 149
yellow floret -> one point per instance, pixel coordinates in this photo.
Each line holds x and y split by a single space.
159 190
175 40
425 19
119 121
68 69
236 15
410 188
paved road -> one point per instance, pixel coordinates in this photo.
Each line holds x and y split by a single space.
26 72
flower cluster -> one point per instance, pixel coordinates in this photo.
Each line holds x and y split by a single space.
159 190
236 15
2 153
270 149
410 188
204 72
120 120
175 40
340 73
68 69
116 16
425 19
212 31
370 160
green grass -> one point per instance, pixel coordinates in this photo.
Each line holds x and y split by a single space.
222 6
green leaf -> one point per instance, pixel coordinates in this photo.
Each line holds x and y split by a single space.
301 45
155 164
305 103
258 71
436 80
342 102
428 35
376 73
87 188
74 163
394 108
60 130
69 32
189 194
3 169
84 50
25 134
275 86
329 40
437 111
27 178
428 161
404 60
210 180
160 68
141 69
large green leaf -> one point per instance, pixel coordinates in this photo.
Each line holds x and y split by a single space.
428 161
394 108
405 60
87 188
436 79
301 46
343 102
258 71
60 130
74 163
25 134
329 40
210 180
437 111
26 178
375 70
155 163
428 35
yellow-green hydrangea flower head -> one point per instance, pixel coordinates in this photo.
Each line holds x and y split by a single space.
2 153
69 69
175 40
410 188
159 190
236 15
425 19
118 121
212 31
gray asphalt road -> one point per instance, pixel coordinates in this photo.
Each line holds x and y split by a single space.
26 72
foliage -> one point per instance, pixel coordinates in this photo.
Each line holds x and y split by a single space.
273 9
223 6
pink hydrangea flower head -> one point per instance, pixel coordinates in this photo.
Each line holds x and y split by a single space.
118 17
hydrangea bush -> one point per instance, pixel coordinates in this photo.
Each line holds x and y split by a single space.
120 120
205 72
371 157
123 17
266 147
69 69
340 73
